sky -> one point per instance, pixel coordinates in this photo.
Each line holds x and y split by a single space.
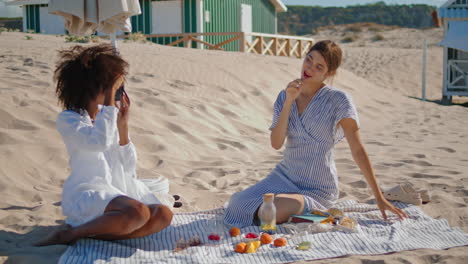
9 11
360 2
14 11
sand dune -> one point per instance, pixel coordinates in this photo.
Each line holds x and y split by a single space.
201 119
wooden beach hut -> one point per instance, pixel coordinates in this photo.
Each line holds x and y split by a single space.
175 17
206 16
36 17
231 25
454 17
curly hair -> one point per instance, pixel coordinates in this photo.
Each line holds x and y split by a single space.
85 72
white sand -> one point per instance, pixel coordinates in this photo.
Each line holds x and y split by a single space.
201 119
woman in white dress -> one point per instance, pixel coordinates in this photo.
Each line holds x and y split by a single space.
101 198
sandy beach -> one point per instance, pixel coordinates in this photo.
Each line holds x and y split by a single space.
201 118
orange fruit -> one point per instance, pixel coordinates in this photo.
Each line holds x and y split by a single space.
235 231
280 242
240 247
266 238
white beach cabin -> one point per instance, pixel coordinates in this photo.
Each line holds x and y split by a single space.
454 16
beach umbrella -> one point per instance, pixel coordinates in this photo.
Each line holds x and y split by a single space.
84 17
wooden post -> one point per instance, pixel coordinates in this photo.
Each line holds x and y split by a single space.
259 46
288 47
446 99
274 46
242 42
424 71
299 49
188 43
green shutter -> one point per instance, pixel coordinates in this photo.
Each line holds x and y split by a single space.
190 17
33 18
142 22
263 18
37 27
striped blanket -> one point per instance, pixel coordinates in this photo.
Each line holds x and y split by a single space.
374 236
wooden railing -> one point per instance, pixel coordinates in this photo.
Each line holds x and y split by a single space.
258 43
457 77
278 45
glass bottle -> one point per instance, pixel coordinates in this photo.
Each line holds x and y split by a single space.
267 214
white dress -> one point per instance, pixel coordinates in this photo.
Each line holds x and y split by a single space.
101 169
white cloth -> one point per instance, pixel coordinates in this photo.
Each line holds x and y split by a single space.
115 15
81 17
101 169
84 17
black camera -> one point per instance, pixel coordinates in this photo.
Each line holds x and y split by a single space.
119 93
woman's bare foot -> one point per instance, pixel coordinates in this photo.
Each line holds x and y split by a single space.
63 236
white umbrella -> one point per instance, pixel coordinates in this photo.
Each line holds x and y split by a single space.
84 17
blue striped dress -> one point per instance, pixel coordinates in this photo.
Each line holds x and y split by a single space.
308 165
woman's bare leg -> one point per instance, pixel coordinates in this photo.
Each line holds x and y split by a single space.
160 218
121 217
288 204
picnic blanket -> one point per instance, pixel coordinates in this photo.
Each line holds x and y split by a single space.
373 236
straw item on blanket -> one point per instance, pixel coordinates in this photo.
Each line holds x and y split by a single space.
373 236
406 193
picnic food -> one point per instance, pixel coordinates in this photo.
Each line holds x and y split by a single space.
321 213
266 238
194 241
215 237
240 247
335 212
235 231
251 247
348 222
329 220
280 242
251 237
303 245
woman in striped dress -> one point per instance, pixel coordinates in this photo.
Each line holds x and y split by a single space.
314 117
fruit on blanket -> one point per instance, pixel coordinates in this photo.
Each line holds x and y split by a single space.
240 247
235 231
266 238
303 245
251 235
215 237
280 242
251 247
256 243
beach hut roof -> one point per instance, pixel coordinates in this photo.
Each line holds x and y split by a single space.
450 2
279 5
457 36
27 2
454 9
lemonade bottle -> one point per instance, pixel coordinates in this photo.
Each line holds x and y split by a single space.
267 214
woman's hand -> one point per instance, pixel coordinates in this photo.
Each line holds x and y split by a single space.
384 205
294 89
122 119
110 93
